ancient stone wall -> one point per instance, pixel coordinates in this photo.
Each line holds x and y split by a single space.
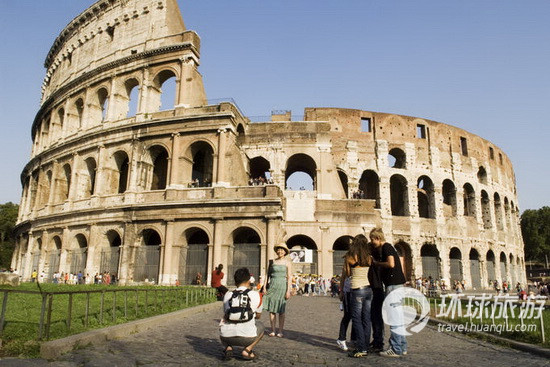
121 180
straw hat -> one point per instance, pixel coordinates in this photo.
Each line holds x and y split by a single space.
283 246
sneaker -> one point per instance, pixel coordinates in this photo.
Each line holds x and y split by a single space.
373 349
342 345
389 353
357 353
404 353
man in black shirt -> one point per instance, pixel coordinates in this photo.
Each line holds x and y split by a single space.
393 278
377 286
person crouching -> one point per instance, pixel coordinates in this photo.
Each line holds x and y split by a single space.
240 325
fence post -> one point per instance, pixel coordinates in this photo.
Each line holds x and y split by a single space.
125 304
42 312
146 300
542 325
49 316
114 306
137 305
101 307
87 309
3 315
187 298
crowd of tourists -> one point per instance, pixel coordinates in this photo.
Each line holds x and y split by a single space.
260 181
372 270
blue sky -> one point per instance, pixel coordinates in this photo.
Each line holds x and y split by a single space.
479 65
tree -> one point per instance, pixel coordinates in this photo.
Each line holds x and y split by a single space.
8 217
535 228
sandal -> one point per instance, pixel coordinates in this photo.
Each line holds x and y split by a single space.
272 333
280 335
227 354
250 355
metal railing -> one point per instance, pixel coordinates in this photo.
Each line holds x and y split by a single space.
77 311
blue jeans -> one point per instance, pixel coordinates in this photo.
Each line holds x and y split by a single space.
376 317
361 299
397 342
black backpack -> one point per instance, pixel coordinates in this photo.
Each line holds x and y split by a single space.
239 307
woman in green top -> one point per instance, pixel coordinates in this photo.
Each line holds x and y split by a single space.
277 291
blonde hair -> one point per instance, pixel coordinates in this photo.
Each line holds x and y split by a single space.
377 234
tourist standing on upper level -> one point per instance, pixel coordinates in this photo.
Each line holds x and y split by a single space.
393 278
356 265
277 290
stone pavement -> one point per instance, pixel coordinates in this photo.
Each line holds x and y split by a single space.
312 328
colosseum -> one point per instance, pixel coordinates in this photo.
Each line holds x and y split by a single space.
126 180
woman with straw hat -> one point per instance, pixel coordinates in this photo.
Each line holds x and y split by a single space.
279 282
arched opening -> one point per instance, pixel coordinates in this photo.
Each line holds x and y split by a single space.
119 180
64 183
339 249
491 275
498 212
36 255
132 95
449 198
246 251
405 256
305 259
159 157
344 181
482 175
55 256
369 186
426 197
89 183
103 102
455 257
507 213
148 257
110 256
79 105
399 196
397 158
301 173
60 120
503 267
194 257
259 171
166 82
79 254
430 262
485 209
469 201
45 131
200 171
475 269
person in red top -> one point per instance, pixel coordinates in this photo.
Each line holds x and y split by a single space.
217 276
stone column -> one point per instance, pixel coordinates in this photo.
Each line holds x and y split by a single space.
73 188
220 177
215 248
167 276
100 171
65 247
174 180
325 264
55 169
273 226
133 174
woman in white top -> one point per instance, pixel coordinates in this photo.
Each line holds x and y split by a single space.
357 262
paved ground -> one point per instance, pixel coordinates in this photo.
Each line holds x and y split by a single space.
309 341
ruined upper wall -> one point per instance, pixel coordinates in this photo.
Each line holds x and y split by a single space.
110 30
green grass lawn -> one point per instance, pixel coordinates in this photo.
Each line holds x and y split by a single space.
20 335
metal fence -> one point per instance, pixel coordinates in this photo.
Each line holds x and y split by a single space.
58 314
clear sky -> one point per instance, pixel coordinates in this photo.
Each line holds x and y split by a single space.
483 66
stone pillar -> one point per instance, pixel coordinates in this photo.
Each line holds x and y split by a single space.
273 226
220 177
174 180
133 174
215 248
167 276
325 264
143 99
73 188
100 171
55 169
65 247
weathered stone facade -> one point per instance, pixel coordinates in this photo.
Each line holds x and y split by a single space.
119 183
